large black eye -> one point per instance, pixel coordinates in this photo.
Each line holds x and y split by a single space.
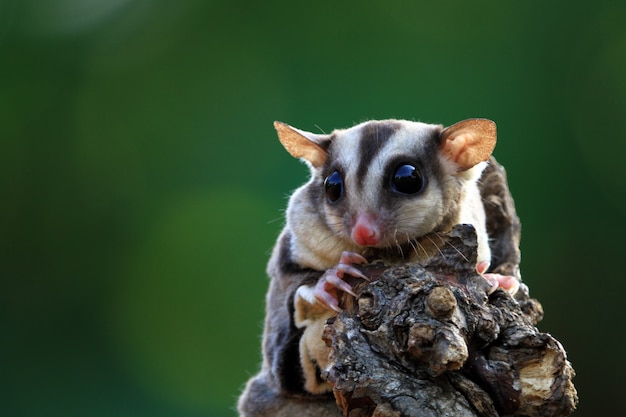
333 184
407 180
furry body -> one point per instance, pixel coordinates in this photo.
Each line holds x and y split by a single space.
376 190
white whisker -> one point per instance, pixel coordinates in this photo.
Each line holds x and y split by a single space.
414 246
453 247
437 246
395 237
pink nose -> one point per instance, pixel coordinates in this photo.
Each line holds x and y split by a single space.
363 235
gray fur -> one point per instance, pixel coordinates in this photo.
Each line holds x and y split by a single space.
317 232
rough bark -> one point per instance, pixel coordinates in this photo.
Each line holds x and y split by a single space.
428 340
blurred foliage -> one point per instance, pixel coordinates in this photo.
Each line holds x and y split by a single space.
142 185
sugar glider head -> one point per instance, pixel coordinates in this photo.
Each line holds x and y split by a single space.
385 183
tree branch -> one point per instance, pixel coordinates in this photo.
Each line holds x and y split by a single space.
428 340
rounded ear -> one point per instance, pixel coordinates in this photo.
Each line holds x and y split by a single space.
301 144
469 142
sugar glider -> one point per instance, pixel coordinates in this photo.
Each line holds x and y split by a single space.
375 190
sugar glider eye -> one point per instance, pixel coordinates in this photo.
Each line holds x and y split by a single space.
333 184
407 180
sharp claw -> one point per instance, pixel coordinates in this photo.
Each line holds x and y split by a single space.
340 284
352 258
347 288
350 270
326 289
333 306
328 301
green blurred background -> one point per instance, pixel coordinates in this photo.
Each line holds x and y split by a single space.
141 182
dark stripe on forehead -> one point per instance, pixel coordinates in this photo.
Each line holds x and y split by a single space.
374 135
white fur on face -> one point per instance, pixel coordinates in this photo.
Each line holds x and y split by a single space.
399 222
363 157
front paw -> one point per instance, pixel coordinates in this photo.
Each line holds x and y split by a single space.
508 283
326 291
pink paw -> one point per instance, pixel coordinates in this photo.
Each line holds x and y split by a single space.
327 289
508 283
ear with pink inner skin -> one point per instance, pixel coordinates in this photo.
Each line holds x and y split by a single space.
468 142
301 144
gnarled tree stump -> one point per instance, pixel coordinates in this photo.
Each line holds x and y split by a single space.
430 341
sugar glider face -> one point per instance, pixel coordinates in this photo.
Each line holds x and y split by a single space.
383 183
